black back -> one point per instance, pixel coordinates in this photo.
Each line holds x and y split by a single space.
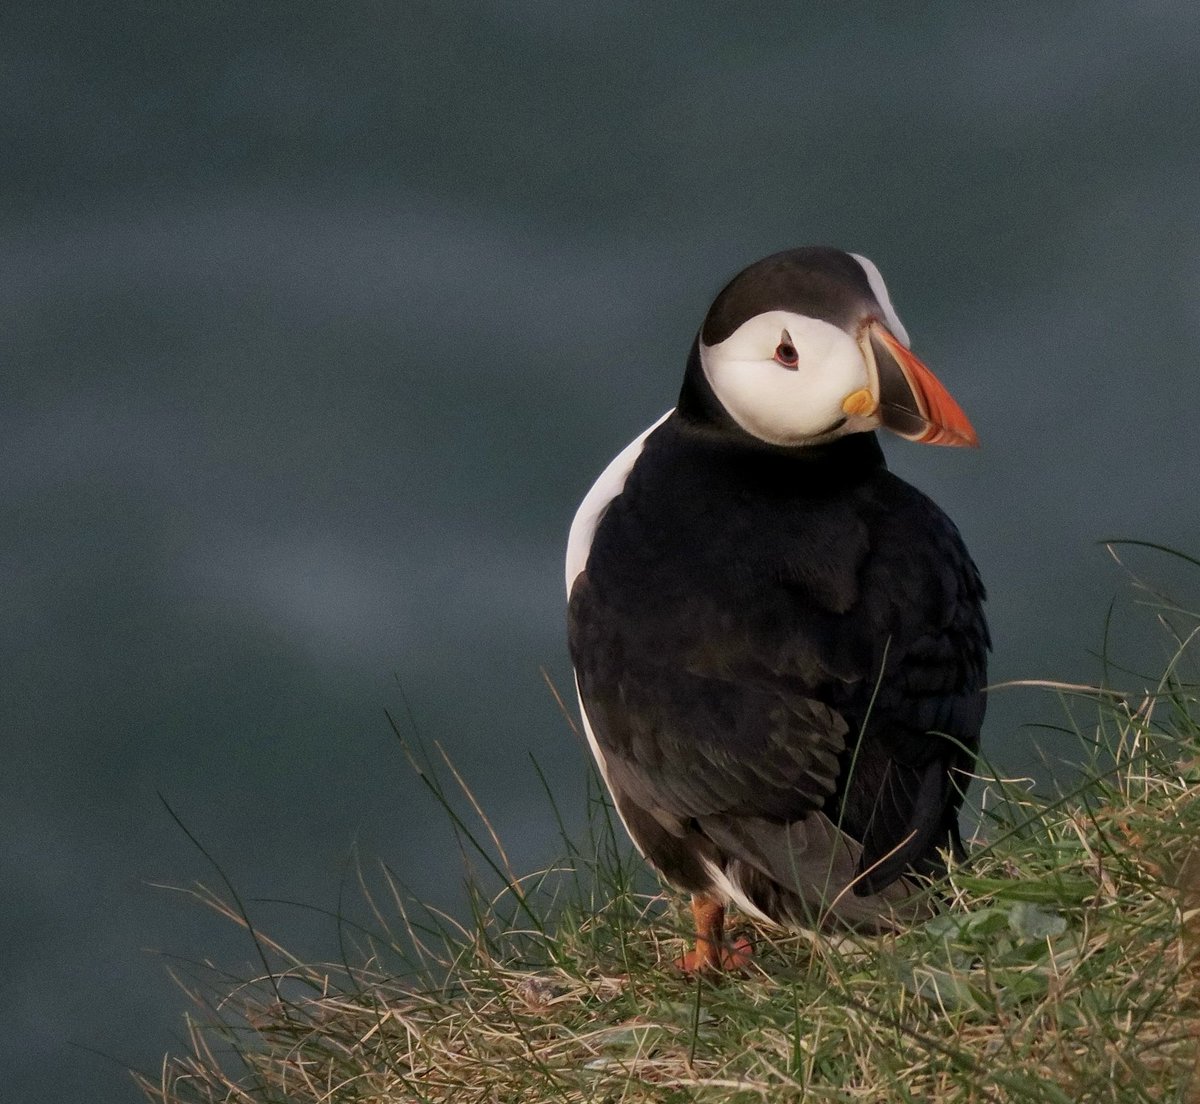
761 632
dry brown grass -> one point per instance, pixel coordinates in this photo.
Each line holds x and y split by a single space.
1064 968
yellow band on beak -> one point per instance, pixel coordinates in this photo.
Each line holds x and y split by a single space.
861 402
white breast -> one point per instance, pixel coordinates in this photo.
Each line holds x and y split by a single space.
595 502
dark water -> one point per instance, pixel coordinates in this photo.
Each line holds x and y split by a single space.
317 321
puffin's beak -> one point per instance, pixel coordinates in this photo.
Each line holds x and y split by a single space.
912 402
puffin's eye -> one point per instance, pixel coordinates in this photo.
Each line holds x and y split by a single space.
785 354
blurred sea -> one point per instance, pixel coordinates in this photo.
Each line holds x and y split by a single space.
317 322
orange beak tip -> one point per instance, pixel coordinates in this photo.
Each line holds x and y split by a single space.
945 422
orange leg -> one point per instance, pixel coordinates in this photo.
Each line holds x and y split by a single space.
711 952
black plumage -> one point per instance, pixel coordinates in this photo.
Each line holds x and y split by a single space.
780 653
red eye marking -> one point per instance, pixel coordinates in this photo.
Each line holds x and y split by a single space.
785 354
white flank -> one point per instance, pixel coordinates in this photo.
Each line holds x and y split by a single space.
731 892
595 502
880 291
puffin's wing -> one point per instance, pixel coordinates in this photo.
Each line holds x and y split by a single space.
684 743
754 712
928 709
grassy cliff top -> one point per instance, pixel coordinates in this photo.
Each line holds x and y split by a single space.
1063 968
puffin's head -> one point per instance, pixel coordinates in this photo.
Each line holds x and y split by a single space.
804 346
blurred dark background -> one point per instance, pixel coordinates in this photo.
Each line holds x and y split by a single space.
317 321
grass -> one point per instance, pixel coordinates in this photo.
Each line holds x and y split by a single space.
1064 967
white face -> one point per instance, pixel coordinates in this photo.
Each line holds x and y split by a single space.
786 397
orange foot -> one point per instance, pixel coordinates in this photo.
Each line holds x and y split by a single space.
711 952
706 956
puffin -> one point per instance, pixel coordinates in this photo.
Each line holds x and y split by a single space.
779 646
